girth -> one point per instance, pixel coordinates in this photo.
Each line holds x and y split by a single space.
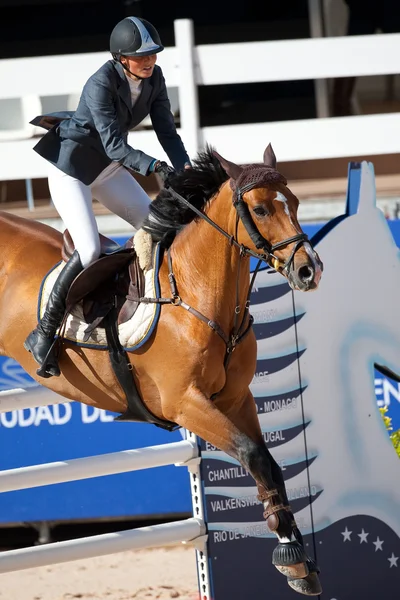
123 370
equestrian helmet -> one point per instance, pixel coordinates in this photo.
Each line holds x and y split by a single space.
134 36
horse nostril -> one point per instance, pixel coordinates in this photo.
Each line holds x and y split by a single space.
306 274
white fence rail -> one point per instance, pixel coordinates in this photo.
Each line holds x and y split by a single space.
309 139
101 545
97 466
187 66
183 453
290 60
216 64
19 398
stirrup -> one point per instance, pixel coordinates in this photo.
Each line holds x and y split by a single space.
49 367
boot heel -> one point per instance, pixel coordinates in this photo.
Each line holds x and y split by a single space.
49 367
47 371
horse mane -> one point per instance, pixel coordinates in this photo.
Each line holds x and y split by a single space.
167 214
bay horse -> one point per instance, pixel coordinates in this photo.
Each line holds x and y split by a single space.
193 371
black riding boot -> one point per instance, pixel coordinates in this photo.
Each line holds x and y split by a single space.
40 340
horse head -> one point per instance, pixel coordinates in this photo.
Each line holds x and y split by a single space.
267 211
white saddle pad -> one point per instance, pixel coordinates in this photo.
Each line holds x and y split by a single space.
132 334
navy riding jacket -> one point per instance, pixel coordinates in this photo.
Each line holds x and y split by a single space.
83 143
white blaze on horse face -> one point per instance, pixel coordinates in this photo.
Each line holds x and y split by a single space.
282 198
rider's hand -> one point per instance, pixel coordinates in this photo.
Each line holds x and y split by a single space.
163 170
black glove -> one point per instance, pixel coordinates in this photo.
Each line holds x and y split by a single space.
164 170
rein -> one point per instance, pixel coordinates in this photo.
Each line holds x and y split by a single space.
259 241
239 330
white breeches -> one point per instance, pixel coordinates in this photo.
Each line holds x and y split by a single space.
115 188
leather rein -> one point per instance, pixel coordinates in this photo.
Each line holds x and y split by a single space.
239 330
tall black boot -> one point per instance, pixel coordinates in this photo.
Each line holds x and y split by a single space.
40 341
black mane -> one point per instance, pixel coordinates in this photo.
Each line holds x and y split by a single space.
167 214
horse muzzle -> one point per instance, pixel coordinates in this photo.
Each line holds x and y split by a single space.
305 275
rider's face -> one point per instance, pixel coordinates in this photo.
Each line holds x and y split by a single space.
142 66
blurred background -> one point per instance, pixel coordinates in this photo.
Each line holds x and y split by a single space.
316 78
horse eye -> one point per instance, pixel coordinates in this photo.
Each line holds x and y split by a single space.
260 211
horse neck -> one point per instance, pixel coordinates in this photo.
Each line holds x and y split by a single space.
206 265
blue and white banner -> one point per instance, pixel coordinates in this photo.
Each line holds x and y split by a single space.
72 430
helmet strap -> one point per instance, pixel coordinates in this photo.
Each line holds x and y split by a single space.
117 57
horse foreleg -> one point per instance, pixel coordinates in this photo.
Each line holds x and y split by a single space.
237 432
302 575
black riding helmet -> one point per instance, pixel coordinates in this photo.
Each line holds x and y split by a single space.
134 37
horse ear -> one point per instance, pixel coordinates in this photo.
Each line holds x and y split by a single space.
231 168
269 157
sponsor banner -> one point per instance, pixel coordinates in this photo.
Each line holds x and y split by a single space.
317 396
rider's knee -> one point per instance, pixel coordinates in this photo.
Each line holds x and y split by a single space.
89 253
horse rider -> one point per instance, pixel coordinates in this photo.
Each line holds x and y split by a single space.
89 155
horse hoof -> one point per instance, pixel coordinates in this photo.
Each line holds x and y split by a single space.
298 571
309 586
290 560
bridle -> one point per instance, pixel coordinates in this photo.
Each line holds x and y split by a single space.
243 213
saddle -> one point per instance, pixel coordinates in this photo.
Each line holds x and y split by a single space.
115 280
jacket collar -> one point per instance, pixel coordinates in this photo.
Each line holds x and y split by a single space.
125 92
